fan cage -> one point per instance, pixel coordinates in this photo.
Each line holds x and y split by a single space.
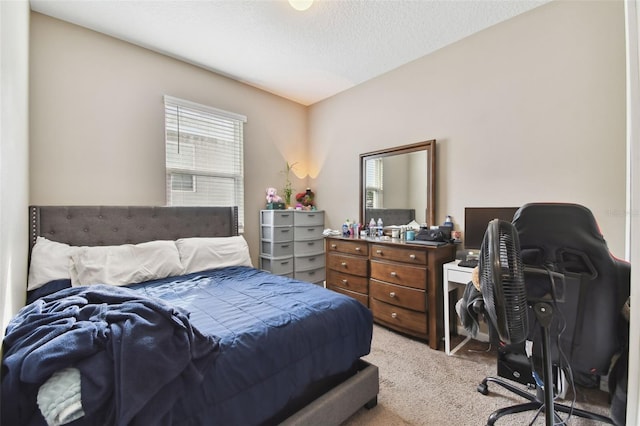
502 282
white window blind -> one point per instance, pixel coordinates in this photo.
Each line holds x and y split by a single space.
374 190
204 156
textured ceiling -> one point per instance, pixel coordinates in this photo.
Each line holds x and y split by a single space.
303 56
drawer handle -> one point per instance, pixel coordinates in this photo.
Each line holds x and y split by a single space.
392 294
357 248
284 263
311 229
344 264
312 259
394 315
333 246
344 282
394 274
311 243
284 230
378 251
412 256
285 246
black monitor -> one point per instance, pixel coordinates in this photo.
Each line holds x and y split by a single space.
476 220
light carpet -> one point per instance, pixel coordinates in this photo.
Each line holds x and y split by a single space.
421 386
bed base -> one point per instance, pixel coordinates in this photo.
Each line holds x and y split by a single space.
341 402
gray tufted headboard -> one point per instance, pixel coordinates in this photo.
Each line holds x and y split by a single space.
115 225
391 216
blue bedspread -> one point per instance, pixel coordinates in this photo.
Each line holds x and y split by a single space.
270 338
277 336
136 355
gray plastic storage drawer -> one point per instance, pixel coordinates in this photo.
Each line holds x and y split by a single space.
277 233
274 249
308 232
312 276
304 263
306 247
278 266
276 217
308 218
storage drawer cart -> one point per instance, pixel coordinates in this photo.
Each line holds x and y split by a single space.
292 244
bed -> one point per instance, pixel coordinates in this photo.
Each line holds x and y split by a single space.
219 343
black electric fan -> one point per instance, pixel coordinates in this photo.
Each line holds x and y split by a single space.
502 281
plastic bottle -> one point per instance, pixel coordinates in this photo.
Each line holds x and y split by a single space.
448 222
380 227
373 231
345 228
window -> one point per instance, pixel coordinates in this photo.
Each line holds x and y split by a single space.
204 156
374 183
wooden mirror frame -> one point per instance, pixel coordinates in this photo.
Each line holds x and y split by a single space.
428 146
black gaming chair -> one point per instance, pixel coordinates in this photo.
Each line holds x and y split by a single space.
565 238
588 328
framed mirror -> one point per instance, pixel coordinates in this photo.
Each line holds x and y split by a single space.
399 184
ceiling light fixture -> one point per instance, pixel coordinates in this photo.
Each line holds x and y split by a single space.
300 4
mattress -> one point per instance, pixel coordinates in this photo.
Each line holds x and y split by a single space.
278 338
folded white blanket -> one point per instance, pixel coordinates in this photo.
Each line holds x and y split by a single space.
59 397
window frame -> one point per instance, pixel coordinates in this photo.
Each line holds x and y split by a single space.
207 132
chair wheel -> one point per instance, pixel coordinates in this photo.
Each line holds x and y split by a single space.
483 388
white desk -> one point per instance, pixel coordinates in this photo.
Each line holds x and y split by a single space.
454 276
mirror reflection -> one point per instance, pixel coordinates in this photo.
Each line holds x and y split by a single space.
398 184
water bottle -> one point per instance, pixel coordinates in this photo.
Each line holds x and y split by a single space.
448 222
345 228
373 231
380 227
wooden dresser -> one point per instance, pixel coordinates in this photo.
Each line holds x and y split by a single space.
400 282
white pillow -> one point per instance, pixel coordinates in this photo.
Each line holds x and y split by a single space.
125 264
49 261
201 254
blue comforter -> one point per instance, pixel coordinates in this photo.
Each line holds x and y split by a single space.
270 339
136 355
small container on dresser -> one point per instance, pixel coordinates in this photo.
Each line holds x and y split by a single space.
308 246
348 268
276 241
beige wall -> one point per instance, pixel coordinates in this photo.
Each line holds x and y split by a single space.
532 109
97 121
529 110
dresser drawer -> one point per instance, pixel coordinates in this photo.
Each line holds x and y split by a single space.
302 218
408 255
276 217
397 295
398 273
303 233
304 263
399 318
362 298
348 264
346 246
277 233
273 249
313 275
302 248
347 281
